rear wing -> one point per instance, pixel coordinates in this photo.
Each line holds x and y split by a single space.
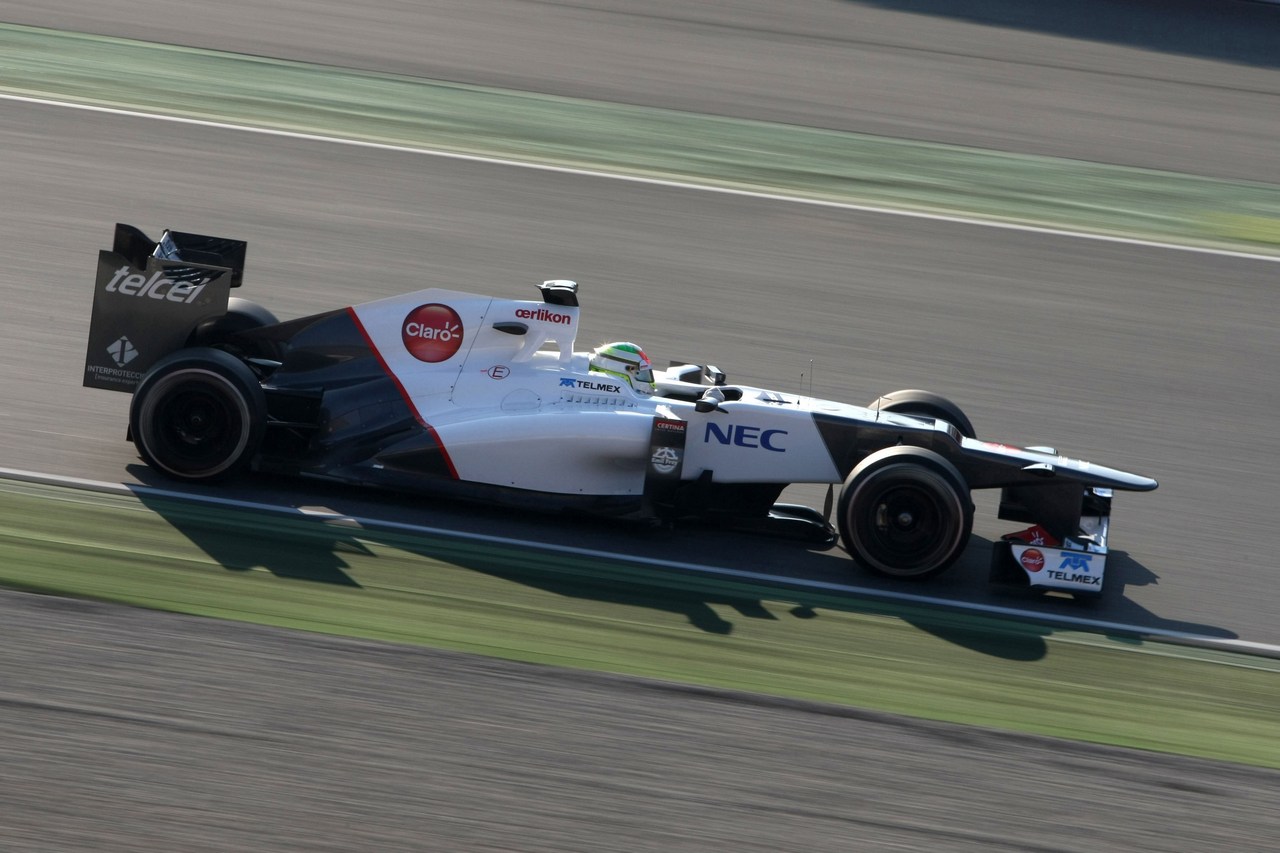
150 295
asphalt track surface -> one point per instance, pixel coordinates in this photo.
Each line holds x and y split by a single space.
1185 85
176 733
1149 359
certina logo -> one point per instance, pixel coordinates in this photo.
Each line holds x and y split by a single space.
126 282
543 314
742 435
122 352
1032 560
432 332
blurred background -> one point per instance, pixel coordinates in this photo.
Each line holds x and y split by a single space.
1065 217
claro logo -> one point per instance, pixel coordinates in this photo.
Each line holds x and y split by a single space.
129 283
432 332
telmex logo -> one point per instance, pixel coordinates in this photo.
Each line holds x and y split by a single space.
432 332
126 282
543 314
1078 562
1032 560
570 382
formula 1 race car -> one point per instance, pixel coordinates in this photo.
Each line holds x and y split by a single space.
483 398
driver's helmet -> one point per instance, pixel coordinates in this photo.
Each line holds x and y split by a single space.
625 361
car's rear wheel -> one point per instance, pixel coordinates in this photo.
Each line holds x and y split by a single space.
220 332
925 404
905 512
198 414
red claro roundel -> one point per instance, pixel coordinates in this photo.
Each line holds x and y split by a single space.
432 332
1032 560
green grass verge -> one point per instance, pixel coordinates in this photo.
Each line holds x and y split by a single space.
749 155
610 616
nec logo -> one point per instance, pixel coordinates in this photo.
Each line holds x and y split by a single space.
742 435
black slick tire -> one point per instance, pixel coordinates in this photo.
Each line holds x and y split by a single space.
925 404
222 332
905 512
199 414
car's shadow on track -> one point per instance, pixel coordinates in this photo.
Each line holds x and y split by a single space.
745 569
313 552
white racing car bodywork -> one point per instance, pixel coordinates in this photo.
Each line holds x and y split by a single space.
566 429
446 392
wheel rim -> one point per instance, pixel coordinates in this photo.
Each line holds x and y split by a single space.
905 522
197 427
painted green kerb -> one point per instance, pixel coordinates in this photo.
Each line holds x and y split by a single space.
636 141
614 616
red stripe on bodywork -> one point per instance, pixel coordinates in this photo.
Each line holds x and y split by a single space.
382 362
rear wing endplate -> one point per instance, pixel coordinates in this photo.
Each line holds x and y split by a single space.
148 297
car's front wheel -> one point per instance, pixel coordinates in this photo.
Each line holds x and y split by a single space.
198 414
905 512
925 404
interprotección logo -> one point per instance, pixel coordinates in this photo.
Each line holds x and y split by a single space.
122 351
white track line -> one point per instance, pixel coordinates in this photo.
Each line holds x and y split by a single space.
661 182
137 489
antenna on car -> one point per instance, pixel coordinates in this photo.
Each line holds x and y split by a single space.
810 381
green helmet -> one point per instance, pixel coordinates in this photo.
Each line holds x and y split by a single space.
627 362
